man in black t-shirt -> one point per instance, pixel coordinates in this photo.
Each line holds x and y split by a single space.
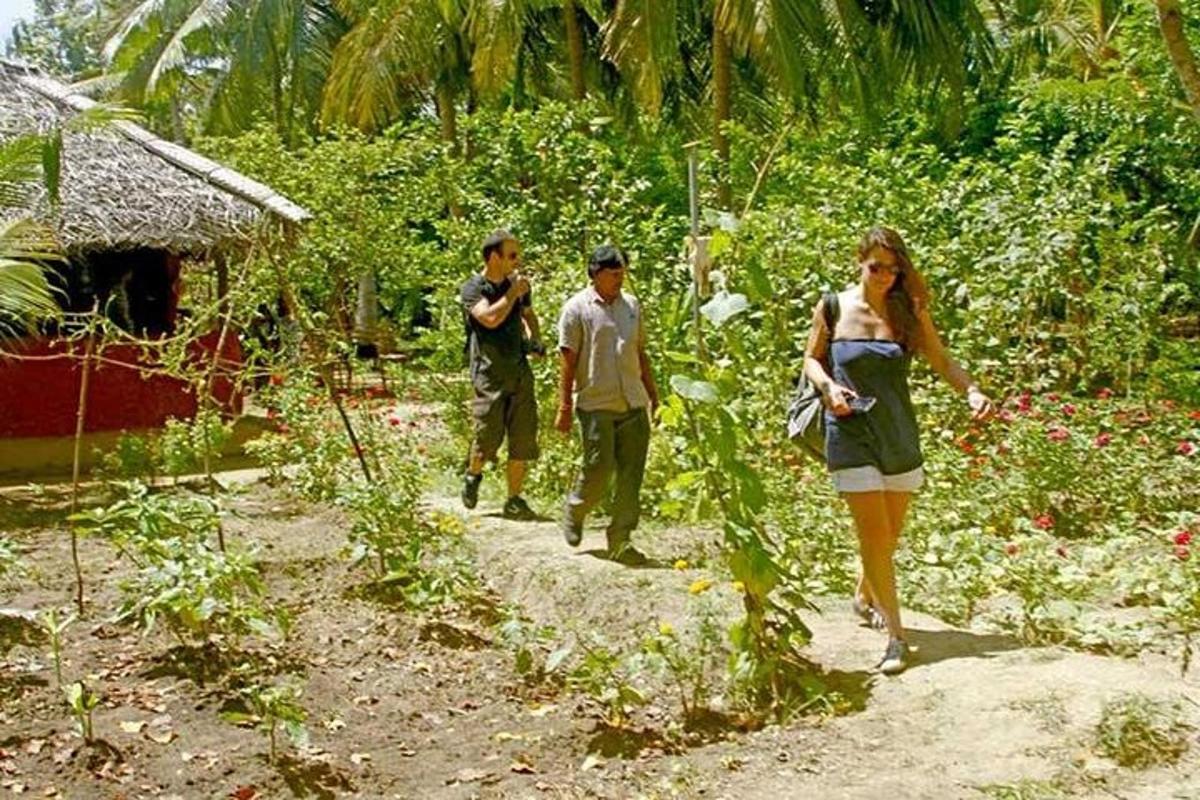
499 314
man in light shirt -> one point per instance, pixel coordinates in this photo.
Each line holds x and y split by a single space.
607 381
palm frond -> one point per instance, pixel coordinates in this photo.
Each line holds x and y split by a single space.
641 39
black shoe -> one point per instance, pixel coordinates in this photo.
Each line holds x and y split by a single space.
470 492
572 531
895 658
628 555
516 508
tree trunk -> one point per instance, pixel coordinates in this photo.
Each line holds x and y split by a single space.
722 79
446 113
575 50
1170 21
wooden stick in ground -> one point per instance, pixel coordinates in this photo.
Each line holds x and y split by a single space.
80 413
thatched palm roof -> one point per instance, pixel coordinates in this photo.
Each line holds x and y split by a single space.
123 187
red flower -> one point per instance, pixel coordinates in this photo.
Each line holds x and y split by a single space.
1182 553
1103 393
1185 448
1103 440
1044 522
964 445
1011 549
393 420
276 379
1052 397
1168 405
1183 538
1194 414
1024 402
1068 409
1058 434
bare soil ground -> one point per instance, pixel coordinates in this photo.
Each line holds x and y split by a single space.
406 705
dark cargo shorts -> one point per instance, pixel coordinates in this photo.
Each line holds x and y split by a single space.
511 409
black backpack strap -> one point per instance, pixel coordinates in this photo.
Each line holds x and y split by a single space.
833 311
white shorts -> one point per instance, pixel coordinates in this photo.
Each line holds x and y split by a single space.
870 479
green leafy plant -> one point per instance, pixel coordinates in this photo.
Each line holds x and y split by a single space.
608 678
538 654
690 658
1138 731
131 457
82 701
271 708
55 628
183 443
10 558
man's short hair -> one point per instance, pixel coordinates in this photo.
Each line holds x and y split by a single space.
495 241
606 256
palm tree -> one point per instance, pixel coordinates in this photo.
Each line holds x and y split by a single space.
235 58
1078 34
1170 21
393 53
809 51
26 247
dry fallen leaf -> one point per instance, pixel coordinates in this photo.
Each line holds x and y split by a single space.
590 762
469 775
162 737
359 758
133 726
522 766
542 711
35 746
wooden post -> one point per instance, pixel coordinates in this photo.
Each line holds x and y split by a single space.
80 414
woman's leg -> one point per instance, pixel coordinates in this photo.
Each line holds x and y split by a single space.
897 507
877 543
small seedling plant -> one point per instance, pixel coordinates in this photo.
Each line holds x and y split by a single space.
272 708
54 628
82 701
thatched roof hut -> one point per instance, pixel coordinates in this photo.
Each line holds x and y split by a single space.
123 188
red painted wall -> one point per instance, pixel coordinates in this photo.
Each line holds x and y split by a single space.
39 388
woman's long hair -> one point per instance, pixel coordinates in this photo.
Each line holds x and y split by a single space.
908 295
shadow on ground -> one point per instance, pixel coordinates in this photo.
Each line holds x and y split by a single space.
935 646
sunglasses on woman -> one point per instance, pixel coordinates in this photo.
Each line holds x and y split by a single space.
875 267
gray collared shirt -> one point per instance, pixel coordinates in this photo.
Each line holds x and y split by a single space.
607 337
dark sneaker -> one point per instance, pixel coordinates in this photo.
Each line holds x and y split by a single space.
572 531
628 555
470 492
895 659
516 508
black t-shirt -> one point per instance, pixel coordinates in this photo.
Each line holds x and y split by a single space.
495 352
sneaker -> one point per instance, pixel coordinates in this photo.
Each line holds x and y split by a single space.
572 531
869 614
628 555
895 659
516 508
470 491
